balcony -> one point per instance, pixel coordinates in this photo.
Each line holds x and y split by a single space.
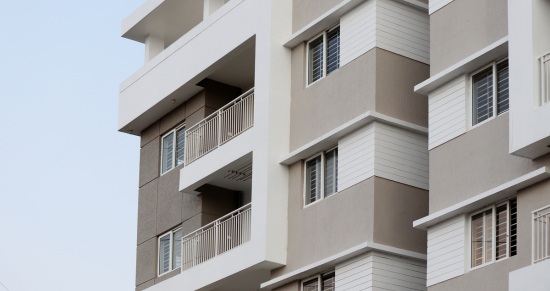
220 127
541 234
217 237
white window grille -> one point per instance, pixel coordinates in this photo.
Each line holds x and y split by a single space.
541 233
494 233
169 251
321 176
323 54
490 92
173 149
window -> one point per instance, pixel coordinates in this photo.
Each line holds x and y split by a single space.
494 233
323 54
323 282
172 149
321 176
490 92
169 251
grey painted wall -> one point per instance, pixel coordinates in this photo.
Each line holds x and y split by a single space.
305 11
463 27
474 163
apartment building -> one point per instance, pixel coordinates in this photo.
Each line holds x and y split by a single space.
489 138
283 146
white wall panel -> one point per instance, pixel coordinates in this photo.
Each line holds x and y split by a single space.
356 157
357 32
446 250
401 156
386 24
447 112
438 4
403 30
376 271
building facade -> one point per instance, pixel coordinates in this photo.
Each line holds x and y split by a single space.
488 145
290 144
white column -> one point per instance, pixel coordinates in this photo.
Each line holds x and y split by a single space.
154 45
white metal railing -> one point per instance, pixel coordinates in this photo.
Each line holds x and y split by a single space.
541 234
217 237
544 79
219 127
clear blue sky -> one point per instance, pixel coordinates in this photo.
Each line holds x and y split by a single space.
68 179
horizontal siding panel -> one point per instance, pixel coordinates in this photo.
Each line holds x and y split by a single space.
356 157
443 228
357 32
402 30
446 250
401 156
373 270
396 273
447 112
437 4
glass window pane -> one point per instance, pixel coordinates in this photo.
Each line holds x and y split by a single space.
176 253
502 87
315 60
488 236
167 152
180 146
477 239
311 285
482 95
333 50
327 282
331 172
164 254
313 180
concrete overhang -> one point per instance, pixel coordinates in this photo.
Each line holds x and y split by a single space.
489 197
331 138
332 17
469 64
169 19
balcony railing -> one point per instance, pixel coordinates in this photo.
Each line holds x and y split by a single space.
219 127
541 233
217 237
545 78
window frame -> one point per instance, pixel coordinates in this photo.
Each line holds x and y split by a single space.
174 148
171 253
322 194
319 278
493 209
494 66
325 43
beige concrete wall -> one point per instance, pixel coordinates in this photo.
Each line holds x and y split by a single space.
396 77
376 81
396 207
161 207
375 210
464 27
305 11
328 226
494 277
331 101
474 163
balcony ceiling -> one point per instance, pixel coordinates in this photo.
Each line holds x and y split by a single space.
169 19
